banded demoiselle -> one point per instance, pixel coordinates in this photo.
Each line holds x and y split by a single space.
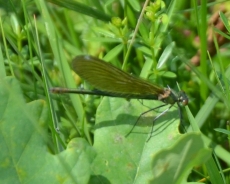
113 82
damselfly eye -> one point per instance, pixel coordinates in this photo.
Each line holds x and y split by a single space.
185 102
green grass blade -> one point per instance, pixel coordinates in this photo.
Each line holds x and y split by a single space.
82 8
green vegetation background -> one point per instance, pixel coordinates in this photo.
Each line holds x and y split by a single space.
50 138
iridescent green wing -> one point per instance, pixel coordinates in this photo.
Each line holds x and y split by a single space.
105 77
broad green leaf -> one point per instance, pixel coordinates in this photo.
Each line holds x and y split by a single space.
133 155
177 162
25 149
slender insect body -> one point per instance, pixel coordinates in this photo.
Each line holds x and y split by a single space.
111 81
